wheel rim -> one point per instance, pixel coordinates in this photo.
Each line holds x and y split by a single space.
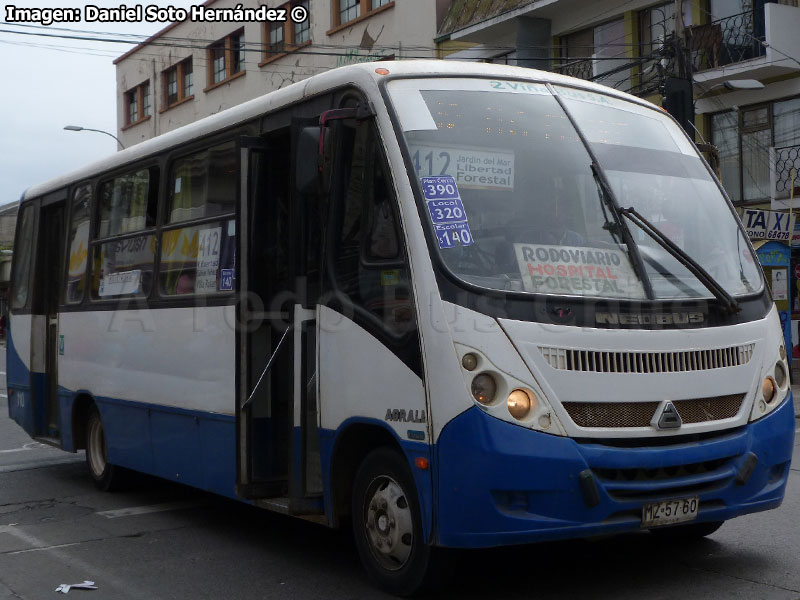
389 523
96 447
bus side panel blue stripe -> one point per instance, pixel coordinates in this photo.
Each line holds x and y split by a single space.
191 447
20 400
176 443
127 429
218 442
17 374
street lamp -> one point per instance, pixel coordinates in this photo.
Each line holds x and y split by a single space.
78 128
735 84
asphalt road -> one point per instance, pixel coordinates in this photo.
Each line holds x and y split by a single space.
166 541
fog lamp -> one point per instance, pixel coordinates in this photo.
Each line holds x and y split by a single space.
484 388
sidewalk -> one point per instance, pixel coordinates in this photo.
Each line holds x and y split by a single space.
796 394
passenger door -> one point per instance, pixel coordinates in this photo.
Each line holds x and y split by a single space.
44 340
277 442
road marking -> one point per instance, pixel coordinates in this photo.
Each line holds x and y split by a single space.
46 548
28 446
39 464
151 508
72 562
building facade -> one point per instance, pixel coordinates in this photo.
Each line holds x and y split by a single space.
190 70
645 47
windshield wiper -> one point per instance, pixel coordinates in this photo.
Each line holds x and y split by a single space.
617 227
713 286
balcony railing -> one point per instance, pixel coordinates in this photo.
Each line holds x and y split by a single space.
785 166
726 41
582 69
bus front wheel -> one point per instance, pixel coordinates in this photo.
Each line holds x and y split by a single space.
387 524
106 476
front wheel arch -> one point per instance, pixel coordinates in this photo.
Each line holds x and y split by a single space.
387 524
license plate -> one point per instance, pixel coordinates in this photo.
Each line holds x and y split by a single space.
669 512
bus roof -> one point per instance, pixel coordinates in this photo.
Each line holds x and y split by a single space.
361 75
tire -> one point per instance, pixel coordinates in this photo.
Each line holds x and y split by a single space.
693 531
105 476
387 525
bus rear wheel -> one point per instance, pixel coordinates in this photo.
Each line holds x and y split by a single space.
106 476
387 524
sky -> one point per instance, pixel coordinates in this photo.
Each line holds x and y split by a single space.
47 83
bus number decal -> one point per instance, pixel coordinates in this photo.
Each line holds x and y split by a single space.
208 259
428 158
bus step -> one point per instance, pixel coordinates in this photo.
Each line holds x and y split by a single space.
312 508
262 489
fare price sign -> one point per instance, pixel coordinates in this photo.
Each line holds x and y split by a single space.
447 212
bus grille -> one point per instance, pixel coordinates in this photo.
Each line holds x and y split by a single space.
601 361
639 414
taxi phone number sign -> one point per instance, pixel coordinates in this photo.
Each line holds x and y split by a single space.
447 212
767 225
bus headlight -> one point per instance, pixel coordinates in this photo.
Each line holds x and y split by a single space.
768 389
521 403
484 388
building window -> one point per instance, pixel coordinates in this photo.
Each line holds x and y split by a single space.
276 44
188 79
744 139
137 104
177 83
218 63
226 58
347 11
281 38
598 54
302 31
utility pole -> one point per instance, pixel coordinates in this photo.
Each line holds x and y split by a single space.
678 90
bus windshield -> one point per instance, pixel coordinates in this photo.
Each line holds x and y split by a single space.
514 203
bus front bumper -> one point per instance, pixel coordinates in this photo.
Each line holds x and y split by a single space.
500 483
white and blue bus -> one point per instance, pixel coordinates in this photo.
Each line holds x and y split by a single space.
458 305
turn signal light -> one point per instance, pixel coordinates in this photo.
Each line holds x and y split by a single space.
520 403
768 389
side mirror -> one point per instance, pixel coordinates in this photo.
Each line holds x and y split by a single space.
307 175
312 163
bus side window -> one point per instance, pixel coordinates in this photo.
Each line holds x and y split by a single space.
368 263
200 258
22 259
78 244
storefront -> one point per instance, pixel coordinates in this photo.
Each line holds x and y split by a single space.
771 233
